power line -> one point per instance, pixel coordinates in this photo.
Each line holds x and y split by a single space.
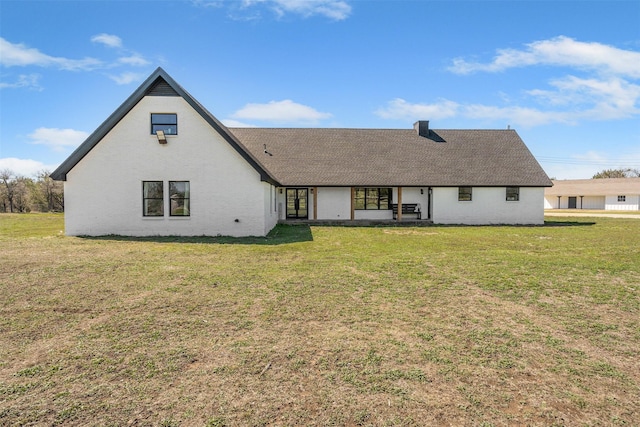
631 163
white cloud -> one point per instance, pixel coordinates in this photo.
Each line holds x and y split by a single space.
25 167
337 10
607 92
605 99
285 111
30 81
135 60
58 139
400 109
19 55
127 77
236 124
333 9
108 40
518 116
515 115
559 51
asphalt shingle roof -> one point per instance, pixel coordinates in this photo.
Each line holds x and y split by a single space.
392 157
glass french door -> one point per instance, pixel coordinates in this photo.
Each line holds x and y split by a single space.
297 207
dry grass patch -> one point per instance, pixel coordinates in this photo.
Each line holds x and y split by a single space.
322 326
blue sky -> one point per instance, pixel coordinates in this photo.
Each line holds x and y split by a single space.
564 74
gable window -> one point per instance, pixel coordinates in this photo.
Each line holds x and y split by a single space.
152 198
464 194
168 123
179 198
513 194
372 198
622 198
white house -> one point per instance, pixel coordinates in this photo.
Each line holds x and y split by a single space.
161 164
620 194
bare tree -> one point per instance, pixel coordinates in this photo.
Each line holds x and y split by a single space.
618 173
9 186
22 195
50 192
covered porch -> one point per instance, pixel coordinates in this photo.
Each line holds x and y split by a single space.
363 204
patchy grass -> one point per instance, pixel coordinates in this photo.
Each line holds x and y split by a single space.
322 326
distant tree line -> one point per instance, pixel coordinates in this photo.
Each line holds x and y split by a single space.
22 194
618 173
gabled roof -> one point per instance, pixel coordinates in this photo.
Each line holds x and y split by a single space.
159 83
394 157
353 157
594 187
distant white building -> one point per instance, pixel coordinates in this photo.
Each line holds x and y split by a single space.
161 164
620 194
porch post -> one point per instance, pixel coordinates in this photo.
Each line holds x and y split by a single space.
353 204
315 203
399 217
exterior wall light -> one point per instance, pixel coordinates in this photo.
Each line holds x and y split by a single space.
161 138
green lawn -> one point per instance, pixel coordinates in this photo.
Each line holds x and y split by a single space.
381 326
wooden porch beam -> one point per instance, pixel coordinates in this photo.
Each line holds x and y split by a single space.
353 203
399 216
315 202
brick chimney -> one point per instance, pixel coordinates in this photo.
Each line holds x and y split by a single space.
422 127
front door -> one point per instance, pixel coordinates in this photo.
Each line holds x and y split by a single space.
572 202
297 203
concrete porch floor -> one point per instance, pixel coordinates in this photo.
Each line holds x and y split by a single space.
360 222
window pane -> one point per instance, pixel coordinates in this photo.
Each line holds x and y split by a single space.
372 198
359 198
513 194
167 129
179 189
180 207
168 123
152 189
464 194
152 198
179 196
385 198
164 119
153 207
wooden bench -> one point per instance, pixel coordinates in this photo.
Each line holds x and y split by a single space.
407 209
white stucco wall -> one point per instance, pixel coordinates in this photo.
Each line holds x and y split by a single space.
334 203
103 192
488 206
610 202
631 203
